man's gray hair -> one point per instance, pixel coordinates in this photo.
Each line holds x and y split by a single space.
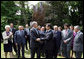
55 26
34 22
19 26
77 27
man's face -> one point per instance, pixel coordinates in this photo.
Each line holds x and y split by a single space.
47 28
55 28
35 25
76 30
65 27
11 25
71 27
39 28
42 29
20 28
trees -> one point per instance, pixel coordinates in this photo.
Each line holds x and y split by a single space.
60 12
76 12
8 11
26 14
55 12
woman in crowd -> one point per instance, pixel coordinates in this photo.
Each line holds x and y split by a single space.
7 41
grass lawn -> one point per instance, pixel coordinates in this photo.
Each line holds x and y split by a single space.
27 54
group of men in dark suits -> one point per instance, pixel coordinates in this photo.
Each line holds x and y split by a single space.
47 41
50 41
20 38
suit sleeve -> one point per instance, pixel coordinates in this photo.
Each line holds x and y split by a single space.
81 37
25 31
15 37
48 37
32 34
70 37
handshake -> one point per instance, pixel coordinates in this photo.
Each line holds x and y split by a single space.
38 39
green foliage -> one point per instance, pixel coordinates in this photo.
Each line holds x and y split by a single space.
3 23
56 12
9 9
59 11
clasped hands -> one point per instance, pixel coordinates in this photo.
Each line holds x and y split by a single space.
65 41
38 39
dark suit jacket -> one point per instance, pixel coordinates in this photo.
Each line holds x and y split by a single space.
26 31
33 36
42 34
19 38
68 38
13 31
57 38
49 40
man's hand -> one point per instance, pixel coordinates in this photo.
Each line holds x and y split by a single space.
65 41
38 39
16 44
10 34
25 36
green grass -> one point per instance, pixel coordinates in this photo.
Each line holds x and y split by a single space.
27 54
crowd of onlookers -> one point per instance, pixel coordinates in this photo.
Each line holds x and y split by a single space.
43 40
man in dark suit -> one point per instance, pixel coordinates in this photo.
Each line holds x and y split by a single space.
57 41
34 44
67 36
13 30
42 35
49 46
19 38
27 29
78 42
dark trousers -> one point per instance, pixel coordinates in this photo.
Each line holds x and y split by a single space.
49 53
78 54
19 47
35 50
42 49
27 40
55 52
26 44
66 51
14 46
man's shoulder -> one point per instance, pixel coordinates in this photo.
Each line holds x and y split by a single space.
17 31
52 30
32 29
81 33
